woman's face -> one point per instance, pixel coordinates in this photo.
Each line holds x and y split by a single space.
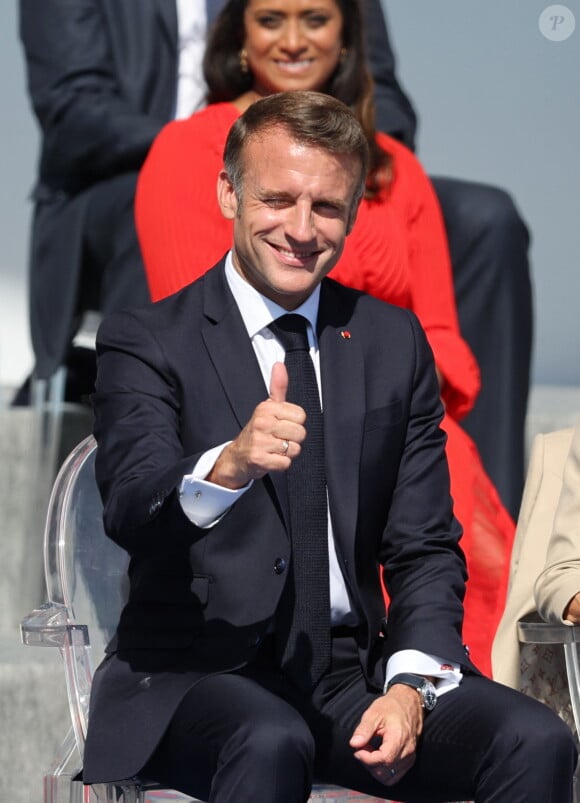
292 44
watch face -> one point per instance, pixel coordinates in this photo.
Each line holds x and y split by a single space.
429 696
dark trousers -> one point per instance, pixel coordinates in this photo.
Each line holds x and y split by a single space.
250 736
489 242
112 275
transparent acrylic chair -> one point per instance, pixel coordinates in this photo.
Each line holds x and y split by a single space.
85 576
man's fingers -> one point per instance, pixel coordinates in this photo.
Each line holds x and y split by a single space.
391 774
370 725
278 382
361 737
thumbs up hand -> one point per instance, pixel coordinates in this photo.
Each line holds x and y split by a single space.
270 441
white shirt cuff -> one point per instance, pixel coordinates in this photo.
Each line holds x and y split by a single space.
447 675
203 502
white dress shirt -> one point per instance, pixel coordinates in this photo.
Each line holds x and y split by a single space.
205 503
191 31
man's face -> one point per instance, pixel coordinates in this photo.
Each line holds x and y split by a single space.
295 212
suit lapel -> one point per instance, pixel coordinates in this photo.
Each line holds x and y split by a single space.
342 374
235 362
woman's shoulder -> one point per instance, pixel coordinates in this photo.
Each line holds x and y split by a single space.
208 123
402 157
213 113
393 146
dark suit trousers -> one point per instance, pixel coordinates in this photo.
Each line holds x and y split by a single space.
489 242
249 736
113 277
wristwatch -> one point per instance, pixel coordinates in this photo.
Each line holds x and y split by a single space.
425 688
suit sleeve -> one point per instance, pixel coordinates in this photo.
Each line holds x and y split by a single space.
140 459
394 113
424 566
560 579
90 131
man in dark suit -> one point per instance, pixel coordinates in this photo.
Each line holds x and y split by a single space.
253 654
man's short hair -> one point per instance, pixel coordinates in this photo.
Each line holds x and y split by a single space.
310 118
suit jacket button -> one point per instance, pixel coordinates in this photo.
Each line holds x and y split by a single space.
254 640
279 565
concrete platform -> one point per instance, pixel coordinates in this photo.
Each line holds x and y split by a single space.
34 716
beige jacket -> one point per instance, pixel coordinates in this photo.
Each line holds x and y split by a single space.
560 579
535 524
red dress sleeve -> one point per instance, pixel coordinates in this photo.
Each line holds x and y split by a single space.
181 230
398 251
432 282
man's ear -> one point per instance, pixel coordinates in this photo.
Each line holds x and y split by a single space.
226 196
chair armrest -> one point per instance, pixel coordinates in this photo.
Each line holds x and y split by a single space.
539 632
48 626
530 632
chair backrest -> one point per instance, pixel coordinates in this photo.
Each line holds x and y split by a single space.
85 571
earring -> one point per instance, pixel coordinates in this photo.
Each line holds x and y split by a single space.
343 54
244 61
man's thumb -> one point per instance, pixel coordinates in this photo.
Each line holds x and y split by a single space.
278 382
360 737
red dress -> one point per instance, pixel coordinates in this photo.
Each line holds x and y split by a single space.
396 251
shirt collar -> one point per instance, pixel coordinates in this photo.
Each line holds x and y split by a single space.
257 311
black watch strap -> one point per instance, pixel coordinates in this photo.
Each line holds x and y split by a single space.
424 687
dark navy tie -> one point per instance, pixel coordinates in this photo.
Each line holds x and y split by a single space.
303 617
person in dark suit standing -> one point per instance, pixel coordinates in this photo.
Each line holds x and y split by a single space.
266 439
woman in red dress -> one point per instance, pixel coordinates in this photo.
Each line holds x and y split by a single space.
396 251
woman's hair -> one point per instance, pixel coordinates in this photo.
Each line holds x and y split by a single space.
351 81
314 119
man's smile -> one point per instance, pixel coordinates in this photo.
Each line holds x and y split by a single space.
294 254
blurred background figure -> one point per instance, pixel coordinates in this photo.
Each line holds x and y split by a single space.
488 241
545 572
557 589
